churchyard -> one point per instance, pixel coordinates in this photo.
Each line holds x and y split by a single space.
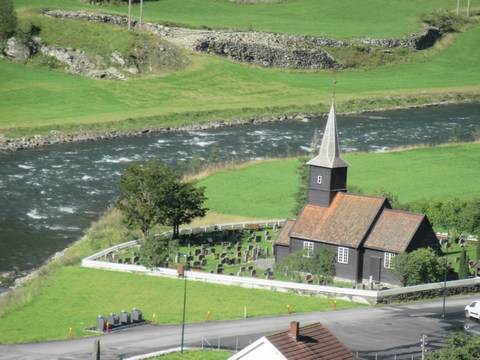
240 252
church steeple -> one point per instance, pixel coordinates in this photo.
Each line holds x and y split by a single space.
328 171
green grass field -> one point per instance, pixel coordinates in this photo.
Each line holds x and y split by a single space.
266 190
62 303
35 100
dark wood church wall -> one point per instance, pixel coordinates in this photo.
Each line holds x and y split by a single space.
345 271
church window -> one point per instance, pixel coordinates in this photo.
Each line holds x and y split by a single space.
342 255
308 248
387 260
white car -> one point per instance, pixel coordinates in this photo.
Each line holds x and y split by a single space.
473 310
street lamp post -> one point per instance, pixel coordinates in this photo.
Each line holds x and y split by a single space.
445 279
184 302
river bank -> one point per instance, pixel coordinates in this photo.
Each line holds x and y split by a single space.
8 144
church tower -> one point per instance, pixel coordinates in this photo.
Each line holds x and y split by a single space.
328 171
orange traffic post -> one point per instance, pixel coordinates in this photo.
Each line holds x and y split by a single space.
335 304
288 309
153 319
245 312
208 315
70 333
107 324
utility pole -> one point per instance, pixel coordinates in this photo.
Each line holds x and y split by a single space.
129 14
141 13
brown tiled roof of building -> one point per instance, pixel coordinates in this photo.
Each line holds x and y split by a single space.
283 237
313 342
345 222
394 231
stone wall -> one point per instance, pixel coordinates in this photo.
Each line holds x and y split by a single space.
266 49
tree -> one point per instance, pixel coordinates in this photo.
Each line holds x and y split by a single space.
320 264
420 266
459 346
152 194
155 251
8 20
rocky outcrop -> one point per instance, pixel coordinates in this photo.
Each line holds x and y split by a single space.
414 41
266 49
18 51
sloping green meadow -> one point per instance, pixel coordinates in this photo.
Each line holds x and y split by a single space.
36 100
75 296
266 190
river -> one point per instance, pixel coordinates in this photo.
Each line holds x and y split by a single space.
49 196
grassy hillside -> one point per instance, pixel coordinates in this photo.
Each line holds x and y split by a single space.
34 100
266 190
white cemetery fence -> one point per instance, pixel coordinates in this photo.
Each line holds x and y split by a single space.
98 261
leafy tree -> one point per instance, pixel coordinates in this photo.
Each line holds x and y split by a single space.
195 164
321 265
152 194
418 267
214 156
8 20
155 251
459 346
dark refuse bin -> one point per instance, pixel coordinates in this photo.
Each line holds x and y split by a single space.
113 320
125 318
101 323
136 315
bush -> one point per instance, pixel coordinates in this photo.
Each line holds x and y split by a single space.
8 20
446 21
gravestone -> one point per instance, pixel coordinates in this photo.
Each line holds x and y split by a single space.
268 238
258 238
204 262
275 227
242 269
253 273
198 252
250 268
136 259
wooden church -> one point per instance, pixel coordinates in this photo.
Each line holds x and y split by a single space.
364 231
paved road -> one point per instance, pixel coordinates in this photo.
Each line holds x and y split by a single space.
383 331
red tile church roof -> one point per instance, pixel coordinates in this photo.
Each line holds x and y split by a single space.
346 222
394 231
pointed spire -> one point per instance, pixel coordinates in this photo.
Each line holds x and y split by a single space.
329 154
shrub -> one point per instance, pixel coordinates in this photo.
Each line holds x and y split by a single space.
8 20
446 21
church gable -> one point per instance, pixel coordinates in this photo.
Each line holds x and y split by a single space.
346 222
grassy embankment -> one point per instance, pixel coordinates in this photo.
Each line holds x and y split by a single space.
56 302
36 100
